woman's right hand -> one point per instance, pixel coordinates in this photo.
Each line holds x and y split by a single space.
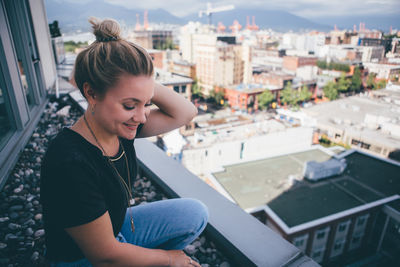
178 258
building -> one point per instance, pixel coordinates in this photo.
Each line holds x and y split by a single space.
28 72
369 123
183 68
337 220
372 53
218 63
180 84
292 63
243 96
384 71
158 57
152 39
229 139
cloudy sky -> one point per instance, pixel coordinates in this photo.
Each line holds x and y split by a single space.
305 8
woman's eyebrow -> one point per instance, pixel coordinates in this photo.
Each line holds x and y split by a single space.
133 99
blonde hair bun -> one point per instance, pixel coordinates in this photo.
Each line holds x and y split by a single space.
105 30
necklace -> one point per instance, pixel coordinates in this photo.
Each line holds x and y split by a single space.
127 188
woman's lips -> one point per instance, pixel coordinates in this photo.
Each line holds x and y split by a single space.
131 127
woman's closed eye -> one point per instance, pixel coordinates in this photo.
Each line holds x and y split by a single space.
148 104
128 107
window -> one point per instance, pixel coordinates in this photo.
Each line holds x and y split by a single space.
22 83
355 142
183 89
342 227
356 239
176 88
320 235
362 220
316 254
5 122
299 243
28 61
338 245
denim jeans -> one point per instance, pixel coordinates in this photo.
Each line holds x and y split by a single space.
167 224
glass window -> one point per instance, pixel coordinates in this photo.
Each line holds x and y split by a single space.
342 227
176 89
183 89
5 123
321 235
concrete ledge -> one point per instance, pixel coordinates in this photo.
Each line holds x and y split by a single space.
245 240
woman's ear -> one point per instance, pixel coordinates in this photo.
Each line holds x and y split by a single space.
90 95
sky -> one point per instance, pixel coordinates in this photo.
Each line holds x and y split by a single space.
304 8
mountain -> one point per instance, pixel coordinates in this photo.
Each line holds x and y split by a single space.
74 16
275 19
378 22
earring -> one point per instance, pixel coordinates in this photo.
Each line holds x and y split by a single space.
93 109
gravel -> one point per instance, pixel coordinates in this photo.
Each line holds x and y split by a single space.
21 224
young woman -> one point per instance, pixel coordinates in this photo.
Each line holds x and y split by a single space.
88 169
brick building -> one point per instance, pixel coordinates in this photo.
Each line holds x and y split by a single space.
291 63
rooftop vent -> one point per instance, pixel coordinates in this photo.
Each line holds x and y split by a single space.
316 171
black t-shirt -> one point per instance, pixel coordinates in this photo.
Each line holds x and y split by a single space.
78 185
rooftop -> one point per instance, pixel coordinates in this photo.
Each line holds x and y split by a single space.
363 115
253 184
168 78
270 181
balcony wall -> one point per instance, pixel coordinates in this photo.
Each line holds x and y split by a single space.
243 239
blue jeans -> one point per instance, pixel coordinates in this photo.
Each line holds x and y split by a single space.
167 224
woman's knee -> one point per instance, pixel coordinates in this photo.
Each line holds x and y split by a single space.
199 213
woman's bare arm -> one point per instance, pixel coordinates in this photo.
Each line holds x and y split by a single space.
173 112
97 241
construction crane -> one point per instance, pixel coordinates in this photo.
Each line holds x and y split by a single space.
210 10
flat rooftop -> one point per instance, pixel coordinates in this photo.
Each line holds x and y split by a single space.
265 182
355 115
256 183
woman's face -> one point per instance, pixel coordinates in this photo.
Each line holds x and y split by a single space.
125 105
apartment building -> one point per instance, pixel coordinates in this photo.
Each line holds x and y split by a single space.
344 217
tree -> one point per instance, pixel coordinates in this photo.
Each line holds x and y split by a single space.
288 95
381 84
196 90
265 98
304 94
330 91
371 84
343 84
217 96
356 80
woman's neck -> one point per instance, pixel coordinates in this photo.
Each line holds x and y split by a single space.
92 130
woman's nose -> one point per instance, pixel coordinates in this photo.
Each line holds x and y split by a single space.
140 115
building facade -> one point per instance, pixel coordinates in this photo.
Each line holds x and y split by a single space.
28 71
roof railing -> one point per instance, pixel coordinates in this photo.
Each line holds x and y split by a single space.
240 236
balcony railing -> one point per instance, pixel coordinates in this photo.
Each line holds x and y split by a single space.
243 239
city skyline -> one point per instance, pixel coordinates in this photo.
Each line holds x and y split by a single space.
304 8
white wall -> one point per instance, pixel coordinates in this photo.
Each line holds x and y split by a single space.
203 160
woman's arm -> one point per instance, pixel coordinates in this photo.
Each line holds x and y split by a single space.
173 112
97 241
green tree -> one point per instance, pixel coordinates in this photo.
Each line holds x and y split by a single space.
330 91
356 80
304 94
381 84
288 95
196 90
217 96
343 84
265 98
371 84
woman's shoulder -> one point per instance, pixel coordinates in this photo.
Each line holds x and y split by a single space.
69 145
